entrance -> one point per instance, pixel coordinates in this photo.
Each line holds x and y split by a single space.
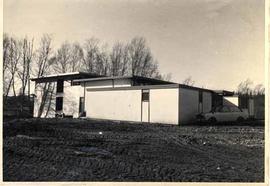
145 106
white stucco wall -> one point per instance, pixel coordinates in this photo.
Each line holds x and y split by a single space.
114 104
71 98
122 83
127 105
207 101
164 105
108 83
189 105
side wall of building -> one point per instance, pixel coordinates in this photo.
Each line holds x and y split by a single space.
207 101
71 99
162 106
71 96
190 105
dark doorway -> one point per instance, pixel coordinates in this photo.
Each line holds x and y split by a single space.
81 105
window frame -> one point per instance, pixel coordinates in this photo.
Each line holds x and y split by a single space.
145 95
60 86
75 83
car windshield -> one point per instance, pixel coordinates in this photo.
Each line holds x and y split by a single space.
217 109
221 109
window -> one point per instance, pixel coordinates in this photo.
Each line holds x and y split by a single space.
235 109
60 86
145 95
59 104
81 104
200 97
75 83
225 109
217 109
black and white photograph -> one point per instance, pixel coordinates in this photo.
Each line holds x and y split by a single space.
134 91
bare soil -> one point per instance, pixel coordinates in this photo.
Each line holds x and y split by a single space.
99 150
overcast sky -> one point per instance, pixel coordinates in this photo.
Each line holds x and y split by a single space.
218 42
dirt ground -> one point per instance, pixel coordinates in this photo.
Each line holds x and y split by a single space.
96 150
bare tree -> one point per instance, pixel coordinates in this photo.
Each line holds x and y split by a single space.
119 59
24 66
12 55
137 54
6 59
91 50
76 57
115 57
63 58
259 90
244 88
188 81
6 47
43 67
43 62
142 62
167 77
101 64
125 61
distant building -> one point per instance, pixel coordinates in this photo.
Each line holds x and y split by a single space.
254 104
133 98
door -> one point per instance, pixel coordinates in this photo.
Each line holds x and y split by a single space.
145 106
59 104
81 106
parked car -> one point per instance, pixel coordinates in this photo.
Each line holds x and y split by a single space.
223 114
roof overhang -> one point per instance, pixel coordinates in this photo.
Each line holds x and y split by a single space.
164 86
195 88
136 78
224 92
64 76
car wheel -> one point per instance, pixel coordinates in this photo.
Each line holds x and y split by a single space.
240 119
212 120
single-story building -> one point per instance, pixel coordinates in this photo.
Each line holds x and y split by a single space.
132 98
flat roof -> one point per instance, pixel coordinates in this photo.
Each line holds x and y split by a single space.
90 77
140 78
164 86
161 86
195 88
224 92
167 84
65 76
